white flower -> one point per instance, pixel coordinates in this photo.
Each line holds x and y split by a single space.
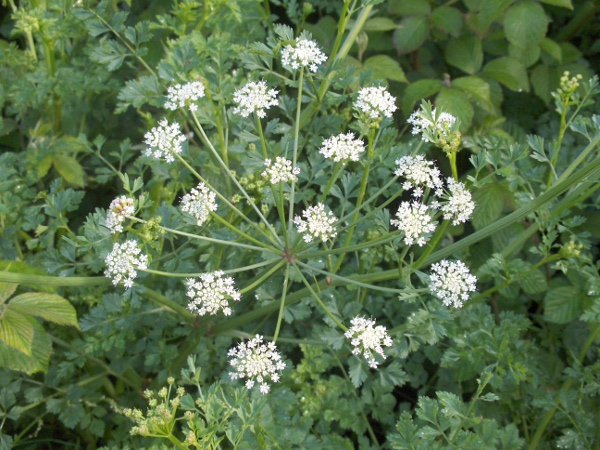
164 140
429 127
419 173
451 282
367 339
254 97
459 207
117 211
304 54
318 223
199 203
210 293
256 362
181 95
376 102
280 171
342 147
122 262
415 221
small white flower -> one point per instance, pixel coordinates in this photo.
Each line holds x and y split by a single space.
255 96
429 127
342 147
415 221
304 54
164 140
117 211
257 362
460 206
180 96
366 339
451 282
376 102
122 262
318 223
210 293
419 173
280 171
199 203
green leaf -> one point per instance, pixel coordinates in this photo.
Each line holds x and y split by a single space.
6 290
428 410
489 397
489 200
447 19
69 169
385 67
409 7
552 48
379 24
528 56
44 166
455 102
477 88
491 10
540 81
562 3
16 331
419 90
508 71
410 34
534 282
453 406
407 433
139 92
562 304
465 53
50 307
525 24
356 372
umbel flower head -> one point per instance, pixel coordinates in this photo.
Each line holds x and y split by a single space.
280 171
256 362
342 147
419 173
375 102
117 211
366 339
164 140
451 282
459 206
254 97
439 128
305 53
180 96
415 221
318 224
199 203
210 293
122 262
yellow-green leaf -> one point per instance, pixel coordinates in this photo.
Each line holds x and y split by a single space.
6 290
385 67
16 331
40 354
50 307
69 169
455 102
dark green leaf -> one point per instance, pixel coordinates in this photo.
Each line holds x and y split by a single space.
562 304
70 169
491 10
528 56
385 67
562 3
409 7
465 53
477 88
455 102
447 19
419 90
508 71
552 48
489 200
525 24
534 282
410 34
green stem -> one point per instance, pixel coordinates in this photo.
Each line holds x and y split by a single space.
46 280
336 173
166 302
261 279
295 157
433 242
263 143
580 158
282 303
241 233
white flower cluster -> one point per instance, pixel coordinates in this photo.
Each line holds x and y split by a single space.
255 96
280 171
342 147
460 206
210 293
122 262
256 362
415 221
451 282
427 128
181 95
376 102
117 211
304 54
199 203
419 173
366 339
318 223
164 140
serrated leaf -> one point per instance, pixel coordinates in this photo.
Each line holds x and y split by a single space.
477 88
454 101
540 81
356 372
562 304
490 11
50 307
385 67
552 48
428 410
96 27
70 169
525 24
44 166
489 201
534 282
16 331
447 19
489 397
407 433
409 7
379 24
110 53
138 92
465 53
508 71
527 55
6 290
410 34
419 90
453 406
